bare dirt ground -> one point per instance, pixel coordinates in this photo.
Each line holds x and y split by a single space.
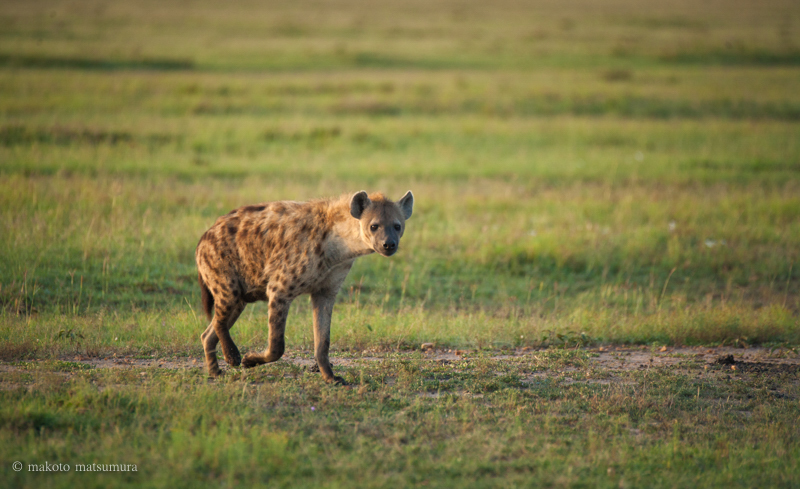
615 358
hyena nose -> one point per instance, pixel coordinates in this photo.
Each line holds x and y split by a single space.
389 246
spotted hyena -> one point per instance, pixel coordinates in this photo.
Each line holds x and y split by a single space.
277 251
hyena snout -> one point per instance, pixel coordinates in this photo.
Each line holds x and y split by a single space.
387 244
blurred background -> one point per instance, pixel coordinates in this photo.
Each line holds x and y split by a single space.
584 171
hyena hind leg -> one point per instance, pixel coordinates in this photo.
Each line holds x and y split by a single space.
215 330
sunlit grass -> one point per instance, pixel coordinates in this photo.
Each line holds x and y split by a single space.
585 174
477 421
631 261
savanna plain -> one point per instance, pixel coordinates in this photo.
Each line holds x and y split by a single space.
607 200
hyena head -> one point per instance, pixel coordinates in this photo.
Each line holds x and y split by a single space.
382 221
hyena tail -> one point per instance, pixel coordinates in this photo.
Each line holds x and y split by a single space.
208 299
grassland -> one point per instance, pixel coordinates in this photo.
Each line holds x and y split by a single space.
545 420
585 174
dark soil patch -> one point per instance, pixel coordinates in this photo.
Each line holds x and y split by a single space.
771 368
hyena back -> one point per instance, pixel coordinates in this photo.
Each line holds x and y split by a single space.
277 251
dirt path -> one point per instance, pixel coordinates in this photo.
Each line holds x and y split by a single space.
614 360
611 358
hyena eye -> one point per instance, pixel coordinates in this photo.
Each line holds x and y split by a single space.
373 228
397 227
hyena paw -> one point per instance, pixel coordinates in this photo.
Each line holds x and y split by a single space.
252 360
233 358
338 381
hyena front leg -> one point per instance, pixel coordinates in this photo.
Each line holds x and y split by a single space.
219 331
278 312
322 303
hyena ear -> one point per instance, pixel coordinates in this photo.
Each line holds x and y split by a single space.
358 203
407 204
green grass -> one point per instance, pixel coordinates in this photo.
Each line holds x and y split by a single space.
594 173
550 420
